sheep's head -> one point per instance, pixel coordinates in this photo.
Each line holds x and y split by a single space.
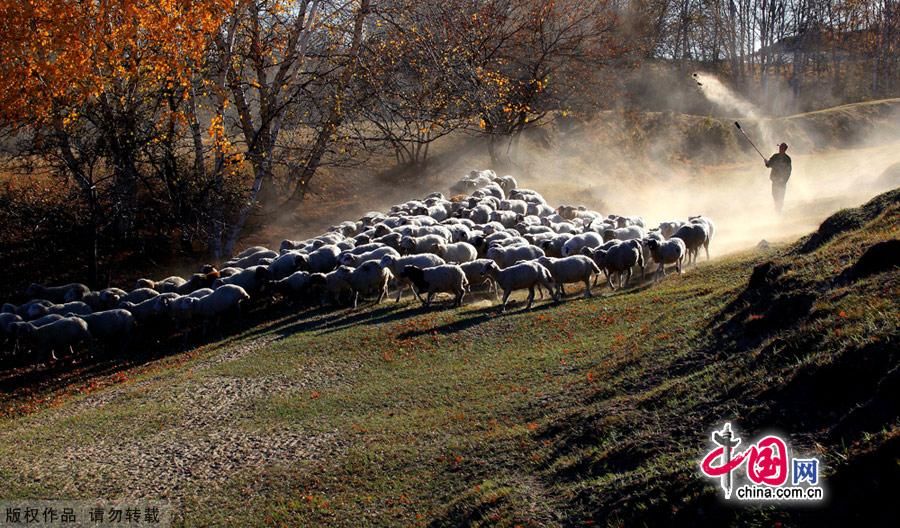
608 234
407 244
387 261
489 269
413 273
652 243
439 249
261 273
317 280
302 262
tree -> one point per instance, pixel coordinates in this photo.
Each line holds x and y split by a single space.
87 83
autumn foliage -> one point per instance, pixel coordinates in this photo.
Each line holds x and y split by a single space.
183 122
57 55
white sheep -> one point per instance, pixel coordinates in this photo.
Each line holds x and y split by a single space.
63 333
204 279
365 248
181 310
507 183
6 320
527 195
366 279
249 251
138 296
284 265
347 259
623 233
322 260
554 246
418 245
456 253
710 229
225 299
619 260
574 268
111 325
396 265
252 280
516 206
58 294
667 229
252 259
169 284
474 271
70 308
574 245
19 328
519 276
505 257
294 287
446 278
671 251
480 214
333 285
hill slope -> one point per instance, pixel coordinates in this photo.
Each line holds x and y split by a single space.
588 412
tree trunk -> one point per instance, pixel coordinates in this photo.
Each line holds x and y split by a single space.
336 114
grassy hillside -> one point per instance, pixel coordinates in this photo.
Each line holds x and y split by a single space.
588 412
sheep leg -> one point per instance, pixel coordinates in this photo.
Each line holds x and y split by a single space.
427 301
505 300
609 281
562 288
706 247
355 298
531 296
459 296
587 287
415 292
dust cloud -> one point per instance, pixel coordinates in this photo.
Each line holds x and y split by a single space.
669 165
736 194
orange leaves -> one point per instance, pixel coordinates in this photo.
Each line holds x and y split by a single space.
56 55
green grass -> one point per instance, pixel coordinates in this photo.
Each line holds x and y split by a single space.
591 411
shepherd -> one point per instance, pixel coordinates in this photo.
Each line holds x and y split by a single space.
780 164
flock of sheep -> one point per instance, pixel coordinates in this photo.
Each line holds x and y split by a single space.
491 235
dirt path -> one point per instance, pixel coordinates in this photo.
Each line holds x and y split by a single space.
194 439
